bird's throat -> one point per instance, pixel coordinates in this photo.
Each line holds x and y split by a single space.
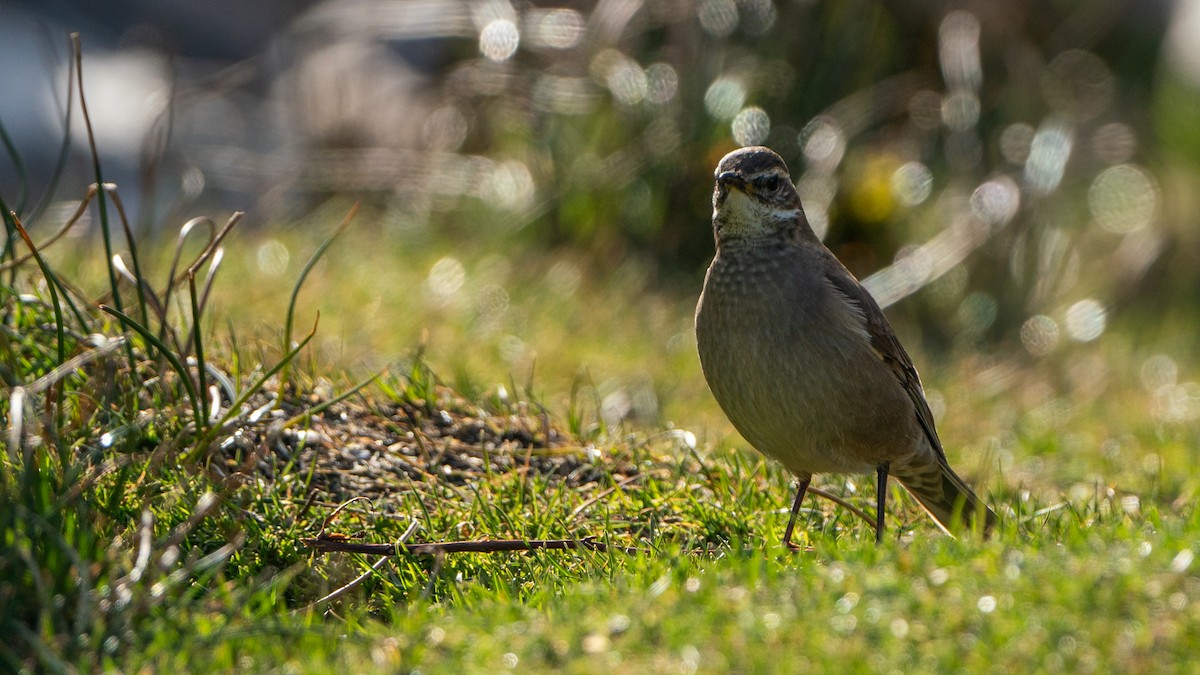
742 216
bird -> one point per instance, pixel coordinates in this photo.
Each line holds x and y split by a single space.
801 358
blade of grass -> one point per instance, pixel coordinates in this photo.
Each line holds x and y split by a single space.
211 276
199 305
101 200
184 232
200 366
211 251
51 281
101 203
111 189
291 310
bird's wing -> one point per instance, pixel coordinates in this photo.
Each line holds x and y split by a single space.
885 344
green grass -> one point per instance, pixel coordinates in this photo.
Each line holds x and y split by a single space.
149 551
1085 595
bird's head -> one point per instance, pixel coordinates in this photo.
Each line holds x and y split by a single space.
754 197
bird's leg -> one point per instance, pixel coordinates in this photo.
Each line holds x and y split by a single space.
801 488
881 499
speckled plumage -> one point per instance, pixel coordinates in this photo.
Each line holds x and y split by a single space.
801 358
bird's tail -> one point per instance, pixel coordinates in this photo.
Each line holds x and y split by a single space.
949 500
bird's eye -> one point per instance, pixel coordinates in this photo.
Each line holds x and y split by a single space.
768 183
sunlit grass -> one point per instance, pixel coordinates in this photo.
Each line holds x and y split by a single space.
487 312
1117 593
613 346
1092 569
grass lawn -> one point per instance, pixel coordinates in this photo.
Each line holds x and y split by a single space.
538 396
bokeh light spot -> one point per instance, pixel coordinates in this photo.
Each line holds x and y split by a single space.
823 143
1177 402
499 40
817 190
1048 154
1159 371
1086 320
996 201
912 183
192 181
627 81
1039 335
559 29
446 129
273 257
1123 198
513 350
960 110
724 98
958 50
509 185
1015 141
445 280
718 18
661 83
751 126
986 604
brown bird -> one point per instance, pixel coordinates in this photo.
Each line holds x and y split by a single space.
801 358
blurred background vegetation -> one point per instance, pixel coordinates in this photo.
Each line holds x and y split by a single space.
537 175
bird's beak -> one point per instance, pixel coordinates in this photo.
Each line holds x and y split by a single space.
730 179
725 181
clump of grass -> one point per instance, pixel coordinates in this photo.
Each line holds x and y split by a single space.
114 508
